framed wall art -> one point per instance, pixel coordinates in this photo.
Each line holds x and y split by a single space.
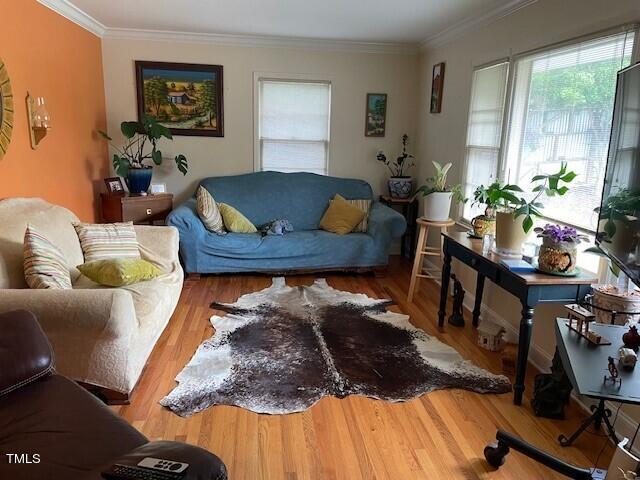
185 97
376 115
436 88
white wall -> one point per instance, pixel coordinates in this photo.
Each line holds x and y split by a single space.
352 74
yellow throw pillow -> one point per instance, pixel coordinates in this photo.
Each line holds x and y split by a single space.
234 221
117 272
341 217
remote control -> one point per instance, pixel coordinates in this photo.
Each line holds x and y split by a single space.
148 469
162 464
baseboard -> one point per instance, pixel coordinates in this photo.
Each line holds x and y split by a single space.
541 360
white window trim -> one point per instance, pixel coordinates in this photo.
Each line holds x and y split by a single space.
287 77
510 89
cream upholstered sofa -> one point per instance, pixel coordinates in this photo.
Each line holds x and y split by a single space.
101 336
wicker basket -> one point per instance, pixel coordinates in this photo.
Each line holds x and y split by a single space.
607 298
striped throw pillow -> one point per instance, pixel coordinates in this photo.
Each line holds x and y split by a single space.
102 241
209 212
364 205
44 264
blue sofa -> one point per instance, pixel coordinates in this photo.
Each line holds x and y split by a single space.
301 198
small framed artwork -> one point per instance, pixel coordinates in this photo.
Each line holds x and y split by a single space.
156 188
436 88
184 97
376 115
114 186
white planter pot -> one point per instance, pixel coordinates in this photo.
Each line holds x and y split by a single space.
436 206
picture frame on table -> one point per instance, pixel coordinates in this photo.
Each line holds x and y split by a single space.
114 186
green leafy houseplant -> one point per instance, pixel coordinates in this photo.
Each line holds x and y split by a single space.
621 207
142 146
403 162
507 198
438 183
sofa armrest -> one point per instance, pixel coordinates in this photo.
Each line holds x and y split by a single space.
25 351
203 465
186 220
161 241
385 221
105 312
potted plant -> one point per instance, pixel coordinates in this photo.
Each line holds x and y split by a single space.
618 220
400 184
489 197
438 195
131 161
515 213
559 250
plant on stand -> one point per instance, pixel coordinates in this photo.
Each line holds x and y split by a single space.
400 184
438 195
131 161
515 212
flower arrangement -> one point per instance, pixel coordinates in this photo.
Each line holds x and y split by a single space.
559 233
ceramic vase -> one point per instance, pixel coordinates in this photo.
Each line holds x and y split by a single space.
436 206
400 187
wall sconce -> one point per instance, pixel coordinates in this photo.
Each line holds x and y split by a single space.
39 120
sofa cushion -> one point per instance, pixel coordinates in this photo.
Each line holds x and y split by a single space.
301 198
341 217
102 241
209 212
364 205
234 221
56 223
44 265
117 272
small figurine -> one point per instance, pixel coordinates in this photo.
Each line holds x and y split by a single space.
628 357
583 318
490 336
631 338
457 319
614 375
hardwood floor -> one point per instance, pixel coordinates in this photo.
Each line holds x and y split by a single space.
440 435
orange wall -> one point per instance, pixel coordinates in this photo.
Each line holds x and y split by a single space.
52 57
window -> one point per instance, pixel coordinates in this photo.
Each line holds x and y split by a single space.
293 125
561 104
484 131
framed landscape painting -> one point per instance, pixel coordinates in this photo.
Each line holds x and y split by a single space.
376 115
185 97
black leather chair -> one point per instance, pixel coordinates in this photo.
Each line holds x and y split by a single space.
53 429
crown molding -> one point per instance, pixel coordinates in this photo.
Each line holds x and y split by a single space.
260 41
473 23
77 16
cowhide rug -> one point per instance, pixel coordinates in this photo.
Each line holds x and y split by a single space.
282 349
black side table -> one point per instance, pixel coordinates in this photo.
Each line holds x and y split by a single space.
409 209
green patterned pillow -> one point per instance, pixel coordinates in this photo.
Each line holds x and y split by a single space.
102 241
44 264
209 212
118 272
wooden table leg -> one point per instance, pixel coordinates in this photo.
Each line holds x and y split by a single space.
524 339
444 288
417 262
478 301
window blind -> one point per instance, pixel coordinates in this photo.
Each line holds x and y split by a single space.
484 131
561 110
294 125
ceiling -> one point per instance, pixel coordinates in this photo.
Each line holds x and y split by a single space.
379 21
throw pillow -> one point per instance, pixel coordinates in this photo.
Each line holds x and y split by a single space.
364 205
44 265
341 217
234 221
209 212
107 240
118 272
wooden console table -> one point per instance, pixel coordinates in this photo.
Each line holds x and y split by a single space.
139 209
530 288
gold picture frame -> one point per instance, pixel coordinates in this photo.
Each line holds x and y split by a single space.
6 109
